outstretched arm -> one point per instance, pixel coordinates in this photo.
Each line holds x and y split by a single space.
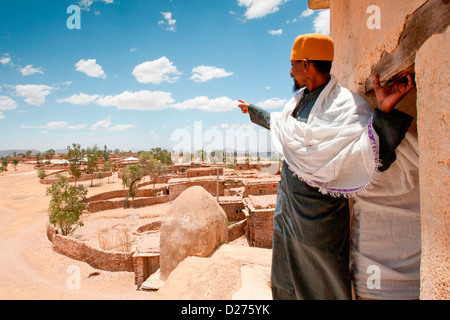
243 105
257 115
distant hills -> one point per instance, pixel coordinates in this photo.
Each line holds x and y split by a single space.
4 153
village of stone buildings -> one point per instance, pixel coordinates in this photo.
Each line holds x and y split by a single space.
243 187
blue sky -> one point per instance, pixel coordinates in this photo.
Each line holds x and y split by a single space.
141 74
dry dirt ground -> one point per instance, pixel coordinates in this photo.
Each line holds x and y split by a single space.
31 270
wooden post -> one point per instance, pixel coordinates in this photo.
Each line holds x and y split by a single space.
217 185
432 17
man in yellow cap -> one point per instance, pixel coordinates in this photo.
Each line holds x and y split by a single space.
333 145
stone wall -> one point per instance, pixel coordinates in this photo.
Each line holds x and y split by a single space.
123 193
260 227
98 206
261 187
84 177
357 50
259 214
233 209
210 185
145 264
433 101
200 172
95 257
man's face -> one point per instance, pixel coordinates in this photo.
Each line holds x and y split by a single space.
298 74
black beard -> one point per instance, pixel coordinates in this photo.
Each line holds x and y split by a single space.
295 87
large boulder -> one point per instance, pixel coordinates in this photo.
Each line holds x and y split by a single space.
195 225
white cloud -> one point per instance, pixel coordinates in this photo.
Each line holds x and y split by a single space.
122 127
5 60
30 70
80 99
2 116
86 4
77 127
6 103
141 100
274 103
156 71
133 49
207 104
90 68
322 22
169 23
34 94
204 73
306 13
278 32
102 124
260 8
105 125
56 125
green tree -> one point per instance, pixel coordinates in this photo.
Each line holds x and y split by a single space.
162 155
131 175
49 154
3 169
201 154
74 155
107 167
152 166
5 162
92 155
106 153
39 157
41 173
66 205
15 162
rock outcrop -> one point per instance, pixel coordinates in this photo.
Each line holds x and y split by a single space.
195 225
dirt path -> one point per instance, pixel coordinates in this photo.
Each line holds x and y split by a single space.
29 268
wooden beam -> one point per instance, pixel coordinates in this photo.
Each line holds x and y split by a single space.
432 17
318 4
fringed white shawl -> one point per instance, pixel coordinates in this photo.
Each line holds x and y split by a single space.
336 150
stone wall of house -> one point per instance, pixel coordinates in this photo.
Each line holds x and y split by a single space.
84 177
233 209
357 50
123 193
210 185
433 101
200 172
103 205
95 257
261 187
260 227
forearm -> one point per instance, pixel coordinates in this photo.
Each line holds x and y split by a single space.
259 116
391 129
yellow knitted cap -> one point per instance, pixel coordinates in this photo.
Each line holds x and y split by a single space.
313 46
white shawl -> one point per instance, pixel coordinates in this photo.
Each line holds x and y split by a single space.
336 150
